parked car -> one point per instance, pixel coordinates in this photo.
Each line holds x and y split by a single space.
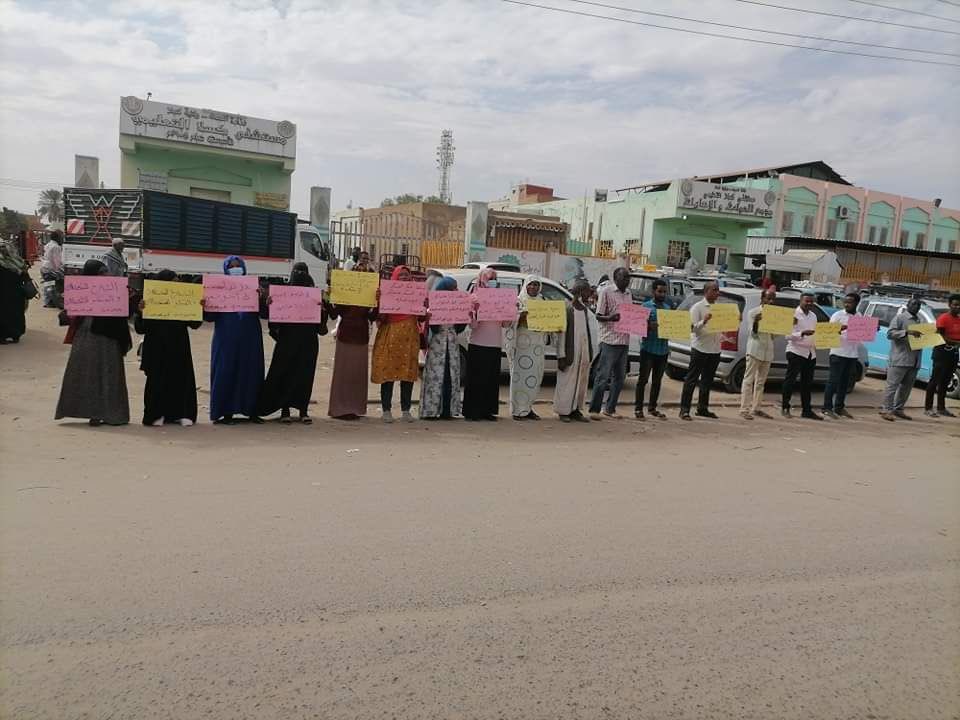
828 299
466 280
733 345
731 281
885 308
641 286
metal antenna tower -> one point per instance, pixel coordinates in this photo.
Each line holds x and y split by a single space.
444 163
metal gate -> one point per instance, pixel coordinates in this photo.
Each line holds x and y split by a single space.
436 244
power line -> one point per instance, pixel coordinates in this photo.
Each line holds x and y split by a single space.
950 2
760 30
730 37
847 17
903 10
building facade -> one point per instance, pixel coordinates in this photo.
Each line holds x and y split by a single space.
206 153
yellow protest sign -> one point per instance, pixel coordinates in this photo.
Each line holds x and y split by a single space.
163 300
826 335
776 320
673 325
724 317
354 288
929 336
547 315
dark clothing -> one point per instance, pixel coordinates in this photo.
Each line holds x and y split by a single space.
94 381
842 371
236 366
944 365
354 327
289 382
611 372
406 395
703 366
655 364
13 305
804 368
481 392
171 388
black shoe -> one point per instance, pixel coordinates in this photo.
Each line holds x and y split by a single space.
657 414
638 414
811 416
708 414
902 415
945 413
256 420
785 412
685 415
491 418
521 417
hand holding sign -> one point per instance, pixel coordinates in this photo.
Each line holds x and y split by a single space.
929 337
862 329
826 335
775 320
497 304
295 304
724 317
673 325
450 307
95 296
229 293
165 300
633 319
354 288
547 315
399 297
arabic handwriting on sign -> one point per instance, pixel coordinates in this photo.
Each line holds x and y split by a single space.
673 325
163 300
826 335
633 319
929 337
96 296
547 315
228 293
450 307
497 304
398 297
354 288
295 304
861 328
775 320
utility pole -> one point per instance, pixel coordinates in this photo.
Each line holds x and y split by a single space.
445 163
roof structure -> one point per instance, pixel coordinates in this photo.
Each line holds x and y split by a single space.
816 169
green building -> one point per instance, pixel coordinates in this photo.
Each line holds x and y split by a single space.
206 153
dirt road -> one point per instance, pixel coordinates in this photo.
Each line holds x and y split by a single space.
511 570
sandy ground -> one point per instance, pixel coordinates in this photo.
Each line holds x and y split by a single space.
714 569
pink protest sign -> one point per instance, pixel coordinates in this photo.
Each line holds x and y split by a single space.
497 304
862 329
294 304
633 319
96 296
450 307
230 293
399 297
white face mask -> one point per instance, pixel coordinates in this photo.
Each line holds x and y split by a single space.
235 271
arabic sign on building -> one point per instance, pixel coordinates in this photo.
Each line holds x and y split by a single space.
697 195
210 128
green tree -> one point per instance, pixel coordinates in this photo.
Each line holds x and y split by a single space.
50 205
410 198
12 222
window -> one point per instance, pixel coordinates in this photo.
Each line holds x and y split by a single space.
885 313
883 235
952 247
904 238
937 244
872 236
311 243
808 224
786 226
716 255
551 292
849 231
676 252
921 241
832 229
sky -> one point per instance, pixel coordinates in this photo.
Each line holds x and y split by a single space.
532 95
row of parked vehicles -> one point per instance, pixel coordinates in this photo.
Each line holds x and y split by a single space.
684 292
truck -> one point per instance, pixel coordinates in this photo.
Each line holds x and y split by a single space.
189 235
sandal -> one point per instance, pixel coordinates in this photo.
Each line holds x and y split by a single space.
306 420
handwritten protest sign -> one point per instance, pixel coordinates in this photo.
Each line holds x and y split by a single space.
497 304
725 317
354 288
826 335
163 300
96 296
862 329
295 304
673 325
547 315
776 320
450 307
929 336
398 297
633 319
229 293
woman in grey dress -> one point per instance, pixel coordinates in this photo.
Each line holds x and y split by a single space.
94 383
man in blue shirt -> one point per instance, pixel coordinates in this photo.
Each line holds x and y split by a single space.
653 354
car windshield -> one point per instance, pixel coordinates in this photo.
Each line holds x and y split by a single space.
641 287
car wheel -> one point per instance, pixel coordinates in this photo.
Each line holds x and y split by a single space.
734 380
676 373
953 387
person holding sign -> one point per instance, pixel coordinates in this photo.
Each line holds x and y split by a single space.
944 360
396 354
843 362
903 363
94 382
704 355
759 359
348 387
440 387
236 363
575 352
170 393
653 354
481 391
525 351
614 347
801 357
289 382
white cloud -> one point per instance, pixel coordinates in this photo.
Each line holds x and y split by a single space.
567 101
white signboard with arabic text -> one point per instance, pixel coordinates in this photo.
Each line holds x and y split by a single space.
710 197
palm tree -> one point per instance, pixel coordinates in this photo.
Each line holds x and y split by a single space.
50 205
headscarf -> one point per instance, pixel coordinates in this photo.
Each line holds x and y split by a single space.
10 260
115 328
486 276
446 283
433 277
166 275
524 296
230 259
93 267
300 275
395 275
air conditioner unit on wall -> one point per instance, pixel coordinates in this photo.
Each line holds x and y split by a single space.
843 212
